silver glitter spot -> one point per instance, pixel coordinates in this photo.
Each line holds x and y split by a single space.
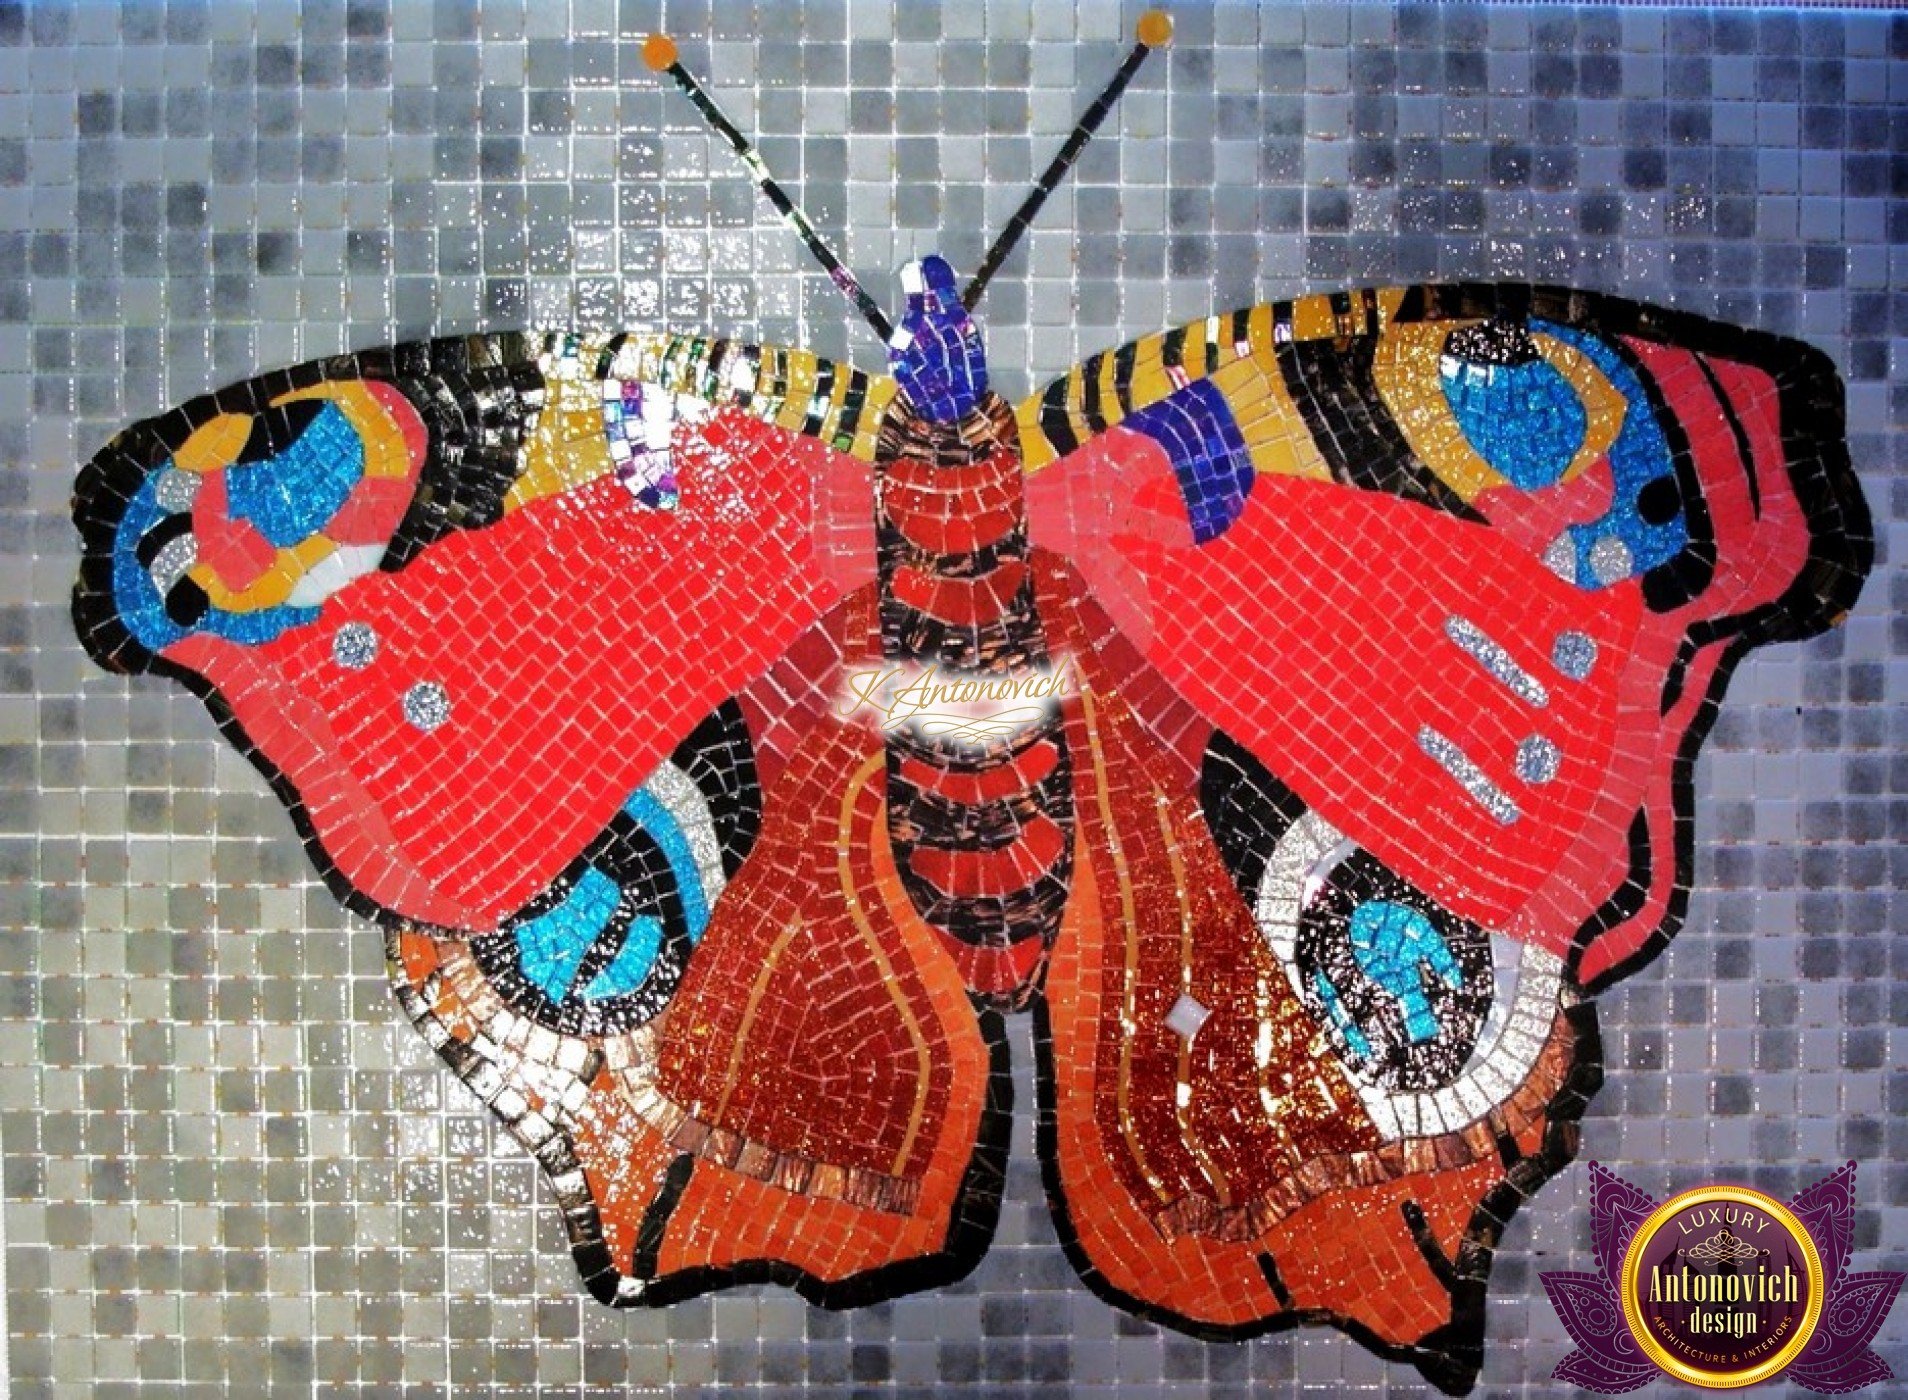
1560 557
1186 1017
1574 655
1537 759
175 556
175 490
426 705
1468 775
356 647
1498 663
1610 560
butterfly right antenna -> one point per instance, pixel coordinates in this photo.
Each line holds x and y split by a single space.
1155 27
659 52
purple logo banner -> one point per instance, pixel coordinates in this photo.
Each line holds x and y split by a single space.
1722 1287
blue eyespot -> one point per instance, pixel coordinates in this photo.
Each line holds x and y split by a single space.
296 472
1645 525
1525 420
553 945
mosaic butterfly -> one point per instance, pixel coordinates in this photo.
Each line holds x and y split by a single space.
1291 715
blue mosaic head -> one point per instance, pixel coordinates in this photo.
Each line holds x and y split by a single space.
936 351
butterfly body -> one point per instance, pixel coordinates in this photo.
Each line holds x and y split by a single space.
980 812
725 739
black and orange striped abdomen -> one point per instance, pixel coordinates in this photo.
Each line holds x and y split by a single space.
981 820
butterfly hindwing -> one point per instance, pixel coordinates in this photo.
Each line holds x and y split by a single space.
1222 1153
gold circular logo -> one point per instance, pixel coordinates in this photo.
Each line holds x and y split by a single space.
1722 1286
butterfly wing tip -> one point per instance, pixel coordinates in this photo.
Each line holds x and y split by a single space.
1450 1357
608 1285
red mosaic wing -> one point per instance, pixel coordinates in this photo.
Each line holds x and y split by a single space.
1421 602
1466 569
818 1104
540 641
459 600
1215 1159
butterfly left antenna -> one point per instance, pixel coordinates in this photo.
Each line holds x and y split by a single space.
659 52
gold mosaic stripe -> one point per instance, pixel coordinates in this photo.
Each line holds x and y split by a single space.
1129 929
772 383
1529 1105
1244 371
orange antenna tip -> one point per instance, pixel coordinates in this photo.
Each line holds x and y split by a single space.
1154 29
659 52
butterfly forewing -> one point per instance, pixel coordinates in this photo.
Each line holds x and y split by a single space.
1465 567
462 605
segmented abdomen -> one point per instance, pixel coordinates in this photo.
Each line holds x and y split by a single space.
981 821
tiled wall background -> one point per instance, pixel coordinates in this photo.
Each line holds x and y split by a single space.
229 1169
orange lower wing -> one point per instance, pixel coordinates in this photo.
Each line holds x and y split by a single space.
1209 1164
823 1064
820 1104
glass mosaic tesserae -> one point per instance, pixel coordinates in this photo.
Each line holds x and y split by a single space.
1277 729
